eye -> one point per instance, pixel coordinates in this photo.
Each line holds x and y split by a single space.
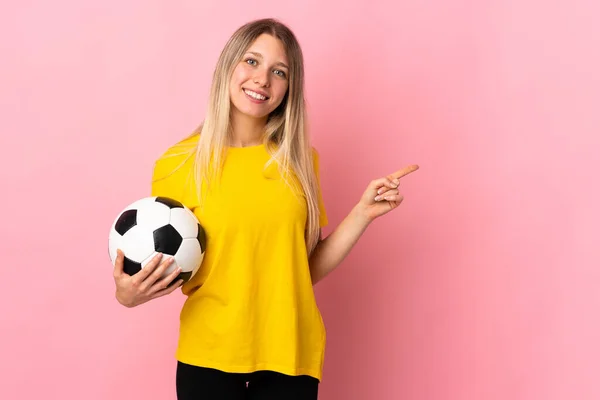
280 73
251 61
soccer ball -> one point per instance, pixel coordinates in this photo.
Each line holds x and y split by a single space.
158 224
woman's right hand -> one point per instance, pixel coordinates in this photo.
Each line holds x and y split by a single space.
145 285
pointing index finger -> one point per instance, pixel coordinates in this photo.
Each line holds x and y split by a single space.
405 171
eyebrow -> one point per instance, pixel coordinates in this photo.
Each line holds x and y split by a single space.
260 56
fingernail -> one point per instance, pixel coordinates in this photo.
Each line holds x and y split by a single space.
380 191
377 198
396 182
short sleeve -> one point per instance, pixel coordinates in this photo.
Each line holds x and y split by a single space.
161 185
172 175
323 220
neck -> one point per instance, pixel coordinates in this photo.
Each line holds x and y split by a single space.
246 130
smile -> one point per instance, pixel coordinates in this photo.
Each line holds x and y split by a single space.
254 95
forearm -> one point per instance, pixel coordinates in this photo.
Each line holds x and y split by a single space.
332 250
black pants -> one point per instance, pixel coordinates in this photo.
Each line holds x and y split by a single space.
198 383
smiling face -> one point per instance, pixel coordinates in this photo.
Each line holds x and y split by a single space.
260 80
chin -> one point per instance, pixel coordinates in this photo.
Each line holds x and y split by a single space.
253 113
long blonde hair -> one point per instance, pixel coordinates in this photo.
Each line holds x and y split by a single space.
286 130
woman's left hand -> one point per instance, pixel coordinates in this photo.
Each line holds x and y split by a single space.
382 195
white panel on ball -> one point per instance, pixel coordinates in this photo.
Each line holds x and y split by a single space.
191 213
114 243
153 215
190 255
138 243
184 222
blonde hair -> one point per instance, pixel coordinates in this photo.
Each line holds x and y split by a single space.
286 132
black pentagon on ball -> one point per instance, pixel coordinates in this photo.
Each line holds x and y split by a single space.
131 267
201 238
169 202
126 221
167 240
183 275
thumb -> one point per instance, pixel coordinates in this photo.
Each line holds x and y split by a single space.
119 261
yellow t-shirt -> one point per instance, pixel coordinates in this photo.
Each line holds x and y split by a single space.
251 305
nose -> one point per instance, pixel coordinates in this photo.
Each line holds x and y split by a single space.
262 78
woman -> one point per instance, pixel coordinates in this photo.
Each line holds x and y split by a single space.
250 326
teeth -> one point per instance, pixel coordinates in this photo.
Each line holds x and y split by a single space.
254 95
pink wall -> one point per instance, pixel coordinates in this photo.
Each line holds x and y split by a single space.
484 285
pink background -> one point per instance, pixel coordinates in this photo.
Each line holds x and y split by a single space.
483 285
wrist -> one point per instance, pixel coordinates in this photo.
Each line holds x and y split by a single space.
360 216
